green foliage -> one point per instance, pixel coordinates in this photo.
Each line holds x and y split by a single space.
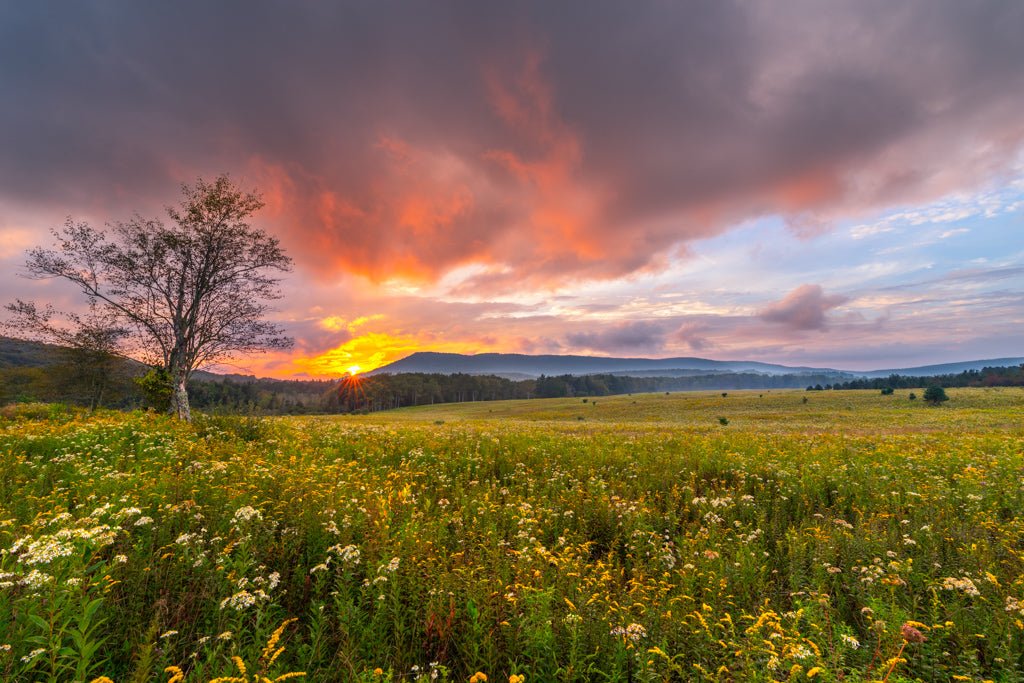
887 391
157 389
935 395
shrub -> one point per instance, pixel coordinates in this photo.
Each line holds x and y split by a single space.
156 389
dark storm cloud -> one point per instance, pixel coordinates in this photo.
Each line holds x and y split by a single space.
546 140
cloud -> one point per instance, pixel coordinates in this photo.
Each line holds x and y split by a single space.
550 143
14 242
803 309
630 337
693 335
526 176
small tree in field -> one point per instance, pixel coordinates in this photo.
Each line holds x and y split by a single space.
935 395
188 293
88 342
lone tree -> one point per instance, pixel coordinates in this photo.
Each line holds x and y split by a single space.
935 395
185 294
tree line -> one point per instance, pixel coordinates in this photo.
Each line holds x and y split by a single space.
71 379
1011 376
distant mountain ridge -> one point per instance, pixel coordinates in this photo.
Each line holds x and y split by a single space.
16 353
946 368
519 365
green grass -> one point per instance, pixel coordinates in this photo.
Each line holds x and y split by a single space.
646 542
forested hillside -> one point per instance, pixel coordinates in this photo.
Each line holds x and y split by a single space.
38 372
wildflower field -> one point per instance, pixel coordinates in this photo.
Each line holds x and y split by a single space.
688 537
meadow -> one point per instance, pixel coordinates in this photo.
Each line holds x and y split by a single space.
754 536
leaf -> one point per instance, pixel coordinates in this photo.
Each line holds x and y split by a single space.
40 622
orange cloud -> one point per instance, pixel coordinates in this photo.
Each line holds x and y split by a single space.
563 210
335 323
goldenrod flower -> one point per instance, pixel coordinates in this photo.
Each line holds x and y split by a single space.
272 643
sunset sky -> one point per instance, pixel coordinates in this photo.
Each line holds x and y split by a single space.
818 183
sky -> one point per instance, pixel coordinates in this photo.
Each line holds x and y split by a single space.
812 182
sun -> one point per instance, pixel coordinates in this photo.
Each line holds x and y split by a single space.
353 370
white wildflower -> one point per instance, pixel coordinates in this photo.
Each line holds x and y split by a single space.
247 513
632 633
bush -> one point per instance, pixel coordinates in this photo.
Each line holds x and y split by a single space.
156 389
887 391
935 395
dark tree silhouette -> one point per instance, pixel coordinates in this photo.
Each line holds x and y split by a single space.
185 294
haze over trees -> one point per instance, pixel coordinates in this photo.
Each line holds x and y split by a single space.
178 295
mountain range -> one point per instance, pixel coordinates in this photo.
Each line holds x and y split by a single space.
17 353
522 366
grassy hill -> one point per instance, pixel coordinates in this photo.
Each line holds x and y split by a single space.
15 353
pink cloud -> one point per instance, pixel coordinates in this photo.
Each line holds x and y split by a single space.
803 309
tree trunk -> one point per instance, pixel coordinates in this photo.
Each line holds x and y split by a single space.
179 400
